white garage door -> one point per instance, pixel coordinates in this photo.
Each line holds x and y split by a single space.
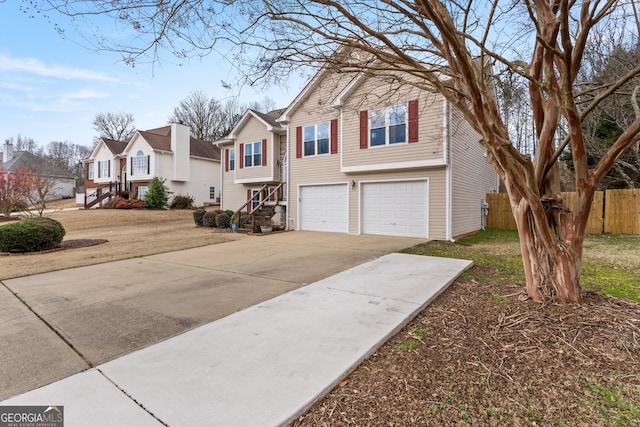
324 208
395 208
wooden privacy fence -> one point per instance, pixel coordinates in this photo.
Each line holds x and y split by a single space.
613 211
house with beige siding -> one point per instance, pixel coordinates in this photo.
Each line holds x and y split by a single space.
123 168
367 155
253 169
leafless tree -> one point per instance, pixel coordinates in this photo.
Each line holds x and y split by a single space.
23 143
41 188
117 126
204 115
449 47
14 187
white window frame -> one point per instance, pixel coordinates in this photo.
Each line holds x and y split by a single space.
316 140
232 159
103 169
140 164
90 171
253 152
387 114
142 190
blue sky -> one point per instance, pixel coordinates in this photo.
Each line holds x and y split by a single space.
51 88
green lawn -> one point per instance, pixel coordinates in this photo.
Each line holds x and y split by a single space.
611 263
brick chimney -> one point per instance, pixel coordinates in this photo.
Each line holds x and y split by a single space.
7 152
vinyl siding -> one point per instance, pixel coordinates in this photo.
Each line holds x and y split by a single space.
437 197
373 94
140 144
203 174
472 176
322 169
255 131
103 155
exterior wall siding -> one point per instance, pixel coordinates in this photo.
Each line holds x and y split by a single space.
471 175
373 94
255 131
321 169
203 175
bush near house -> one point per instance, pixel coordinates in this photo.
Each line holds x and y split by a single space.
198 216
158 195
31 235
223 220
130 204
209 218
182 202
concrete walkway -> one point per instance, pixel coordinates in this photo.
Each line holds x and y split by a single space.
261 366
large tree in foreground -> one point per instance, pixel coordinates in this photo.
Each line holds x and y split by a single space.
446 46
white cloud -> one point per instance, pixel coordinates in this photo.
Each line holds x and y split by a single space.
85 94
34 66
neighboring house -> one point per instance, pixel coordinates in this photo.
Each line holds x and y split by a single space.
360 154
65 182
254 164
188 166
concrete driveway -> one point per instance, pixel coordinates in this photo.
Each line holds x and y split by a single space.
60 323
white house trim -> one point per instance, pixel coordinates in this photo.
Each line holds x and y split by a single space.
395 165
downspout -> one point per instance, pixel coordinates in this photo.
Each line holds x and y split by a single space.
222 166
448 152
288 167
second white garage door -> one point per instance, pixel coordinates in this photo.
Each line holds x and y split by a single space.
324 208
395 208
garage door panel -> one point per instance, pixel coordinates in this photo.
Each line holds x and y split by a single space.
324 208
395 208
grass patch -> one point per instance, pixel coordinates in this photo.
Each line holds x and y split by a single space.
610 262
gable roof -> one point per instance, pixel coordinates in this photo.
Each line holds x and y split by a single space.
116 147
268 119
160 139
25 159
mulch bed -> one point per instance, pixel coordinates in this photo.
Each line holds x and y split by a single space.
484 354
66 244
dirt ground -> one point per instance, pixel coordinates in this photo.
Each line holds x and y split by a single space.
129 233
484 355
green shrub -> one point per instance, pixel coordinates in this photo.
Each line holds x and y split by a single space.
31 235
182 202
223 220
158 194
198 215
209 219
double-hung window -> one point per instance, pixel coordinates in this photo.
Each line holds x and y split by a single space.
90 171
140 164
316 139
232 159
103 168
253 154
388 125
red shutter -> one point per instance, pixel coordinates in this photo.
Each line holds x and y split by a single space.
299 142
241 156
334 136
226 160
413 121
364 129
248 196
264 152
